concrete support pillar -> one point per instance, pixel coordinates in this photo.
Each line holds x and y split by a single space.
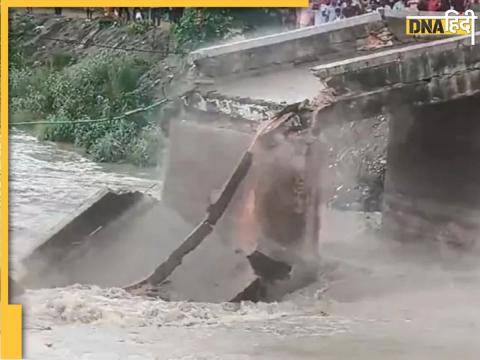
432 188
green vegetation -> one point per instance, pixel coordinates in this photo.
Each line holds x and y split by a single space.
19 31
96 87
66 89
68 86
106 22
139 27
202 26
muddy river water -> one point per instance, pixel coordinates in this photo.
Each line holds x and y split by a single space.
371 301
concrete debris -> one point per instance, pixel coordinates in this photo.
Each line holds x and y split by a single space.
197 151
102 208
378 40
267 268
87 247
117 240
213 272
357 163
135 235
183 272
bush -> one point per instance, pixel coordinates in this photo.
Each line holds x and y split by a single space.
202 26
199 26
139 27
102 86
60 59
146 148
106 22
21 28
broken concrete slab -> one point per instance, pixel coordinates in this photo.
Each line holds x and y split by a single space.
268 268
102 208
200 158
132 245
213 272
186 274
149 240
228 275
269 204
279 38
130 248
419 62
122 250
292 84
269 212
296 46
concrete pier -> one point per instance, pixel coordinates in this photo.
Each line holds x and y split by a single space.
431 95
432 188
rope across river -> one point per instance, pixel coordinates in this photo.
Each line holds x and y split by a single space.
89 121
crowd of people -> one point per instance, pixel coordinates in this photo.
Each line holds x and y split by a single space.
140 14
126 14
324 11
319 12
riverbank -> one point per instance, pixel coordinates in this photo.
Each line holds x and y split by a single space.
65 70
68 69
47 182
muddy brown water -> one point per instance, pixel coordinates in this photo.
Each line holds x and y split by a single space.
371 301
49 181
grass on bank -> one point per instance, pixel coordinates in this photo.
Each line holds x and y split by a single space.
69 87
105 85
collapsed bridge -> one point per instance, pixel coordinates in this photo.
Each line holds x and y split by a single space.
431 93
266 242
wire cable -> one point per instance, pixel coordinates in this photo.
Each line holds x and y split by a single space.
79 42
89 121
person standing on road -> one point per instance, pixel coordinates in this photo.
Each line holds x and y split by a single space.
176 14
351 9
338 14
124 14
137 14
305 16
89 12
58 11
332 15
321 13
156 16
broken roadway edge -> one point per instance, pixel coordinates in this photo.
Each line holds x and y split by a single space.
203 270
187 282
415 75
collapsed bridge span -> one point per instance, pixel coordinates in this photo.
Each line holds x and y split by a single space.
431 94
274 218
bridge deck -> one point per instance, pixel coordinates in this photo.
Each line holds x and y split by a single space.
433 72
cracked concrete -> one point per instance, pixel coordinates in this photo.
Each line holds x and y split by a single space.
418 74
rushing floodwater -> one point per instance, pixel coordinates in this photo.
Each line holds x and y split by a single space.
375 306
47 182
